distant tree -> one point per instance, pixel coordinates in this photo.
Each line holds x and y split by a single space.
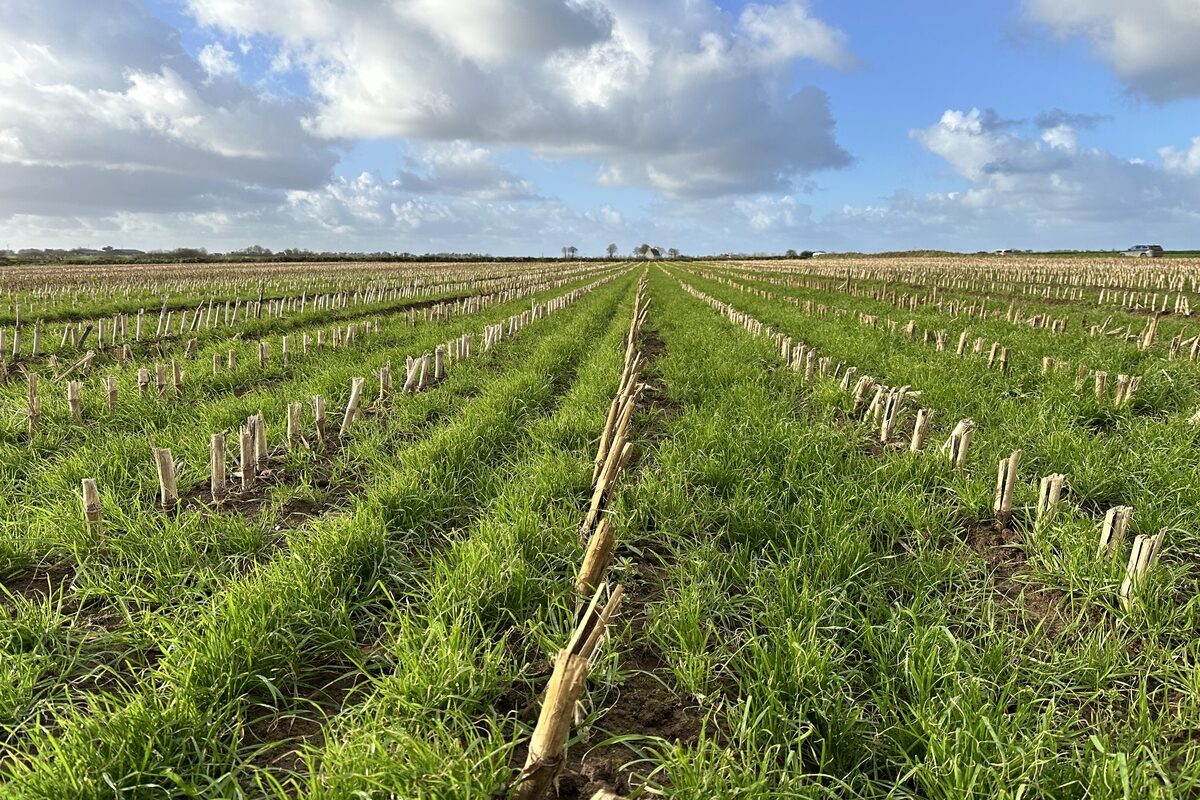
673 252
564 251
642 250
612 251
572 251
188 252
790 254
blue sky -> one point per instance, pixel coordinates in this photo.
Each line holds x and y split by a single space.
518 126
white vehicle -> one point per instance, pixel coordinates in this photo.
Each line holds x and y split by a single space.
1144 251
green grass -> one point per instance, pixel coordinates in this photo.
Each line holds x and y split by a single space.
846 642
808 614
299 582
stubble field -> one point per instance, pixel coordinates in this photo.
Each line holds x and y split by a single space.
922 528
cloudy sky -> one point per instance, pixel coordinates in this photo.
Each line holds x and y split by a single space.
520 126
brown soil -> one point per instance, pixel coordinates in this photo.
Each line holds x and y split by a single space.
294 512
279 736
658 408
37 582
643 707
645 704
651 345
1027 603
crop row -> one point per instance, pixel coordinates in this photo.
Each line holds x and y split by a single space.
887 405
858 627
285 588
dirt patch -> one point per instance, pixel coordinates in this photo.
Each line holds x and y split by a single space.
657 407
280 736
652 345
249 503
999 546
645 705
1026 602
37 582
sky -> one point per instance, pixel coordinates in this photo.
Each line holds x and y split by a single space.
518 127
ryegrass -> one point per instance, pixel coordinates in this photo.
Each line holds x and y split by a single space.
256 635
822 606
818 616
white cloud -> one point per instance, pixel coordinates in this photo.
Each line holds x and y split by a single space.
1041 190
379 213
676 96
217 62
984 148
1061 137
772 213
1183 162
497 33
966 140
462 169
1151 44
788 31
363 213
102 112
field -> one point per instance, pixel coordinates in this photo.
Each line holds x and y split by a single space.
916 528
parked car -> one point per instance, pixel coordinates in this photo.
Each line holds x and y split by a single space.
1144 251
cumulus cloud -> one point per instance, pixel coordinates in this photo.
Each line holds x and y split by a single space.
1151 44
216 61
789 31
1036 189
102 111
464 170
676 96
1183 162
368 208
772 212
497 33
1061 137
978 143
